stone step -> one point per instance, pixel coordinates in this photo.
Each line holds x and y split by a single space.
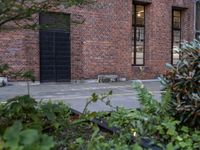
3 81
107 78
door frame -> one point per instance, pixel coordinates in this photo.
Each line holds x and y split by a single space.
70 59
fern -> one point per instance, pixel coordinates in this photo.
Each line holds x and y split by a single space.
149 104
166 101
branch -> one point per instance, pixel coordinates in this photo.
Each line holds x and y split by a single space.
14 10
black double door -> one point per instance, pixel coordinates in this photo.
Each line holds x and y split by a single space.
55 61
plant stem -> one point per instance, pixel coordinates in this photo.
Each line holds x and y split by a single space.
28 88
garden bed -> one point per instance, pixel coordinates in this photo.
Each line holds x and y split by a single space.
104 127
150 127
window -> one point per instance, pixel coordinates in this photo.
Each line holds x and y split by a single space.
198 20
54 21
176 35
138 34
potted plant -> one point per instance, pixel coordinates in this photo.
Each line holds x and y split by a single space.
3 74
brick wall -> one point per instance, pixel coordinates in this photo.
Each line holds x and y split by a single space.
158 34
101 39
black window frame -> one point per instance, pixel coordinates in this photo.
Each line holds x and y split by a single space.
197 29
134 27
173 30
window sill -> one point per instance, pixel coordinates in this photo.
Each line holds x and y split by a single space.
138 65
140 68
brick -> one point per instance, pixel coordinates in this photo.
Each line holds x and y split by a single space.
102 43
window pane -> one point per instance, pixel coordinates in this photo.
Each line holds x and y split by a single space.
139 61
139 58
139 50
139 45
140 54
198 16
198 36
176 19
133 35
177 13
139 39
139 15
177 37
140 34
176 45
54 21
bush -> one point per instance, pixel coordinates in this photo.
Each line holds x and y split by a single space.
4 69
30 125
33 114
44 119
17 138
183 79
150 127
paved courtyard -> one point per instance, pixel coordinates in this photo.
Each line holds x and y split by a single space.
76 94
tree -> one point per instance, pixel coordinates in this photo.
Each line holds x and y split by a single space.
15 10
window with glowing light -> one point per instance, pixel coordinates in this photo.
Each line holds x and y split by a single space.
176 35
138 34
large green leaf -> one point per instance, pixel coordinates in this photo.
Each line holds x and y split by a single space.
11 135
28 136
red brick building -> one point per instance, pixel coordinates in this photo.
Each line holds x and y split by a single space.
118 37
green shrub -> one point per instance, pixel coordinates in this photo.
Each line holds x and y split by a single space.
43 117
4 68
183 79
152 122
19 107
52 119
40 115
37 124
17 138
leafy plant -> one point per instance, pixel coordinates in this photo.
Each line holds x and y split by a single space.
5 71
4 68
183 79
19 107
151 127
154 123
53 119
105 98
149 104
17 138
25 75
43 116
99 141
